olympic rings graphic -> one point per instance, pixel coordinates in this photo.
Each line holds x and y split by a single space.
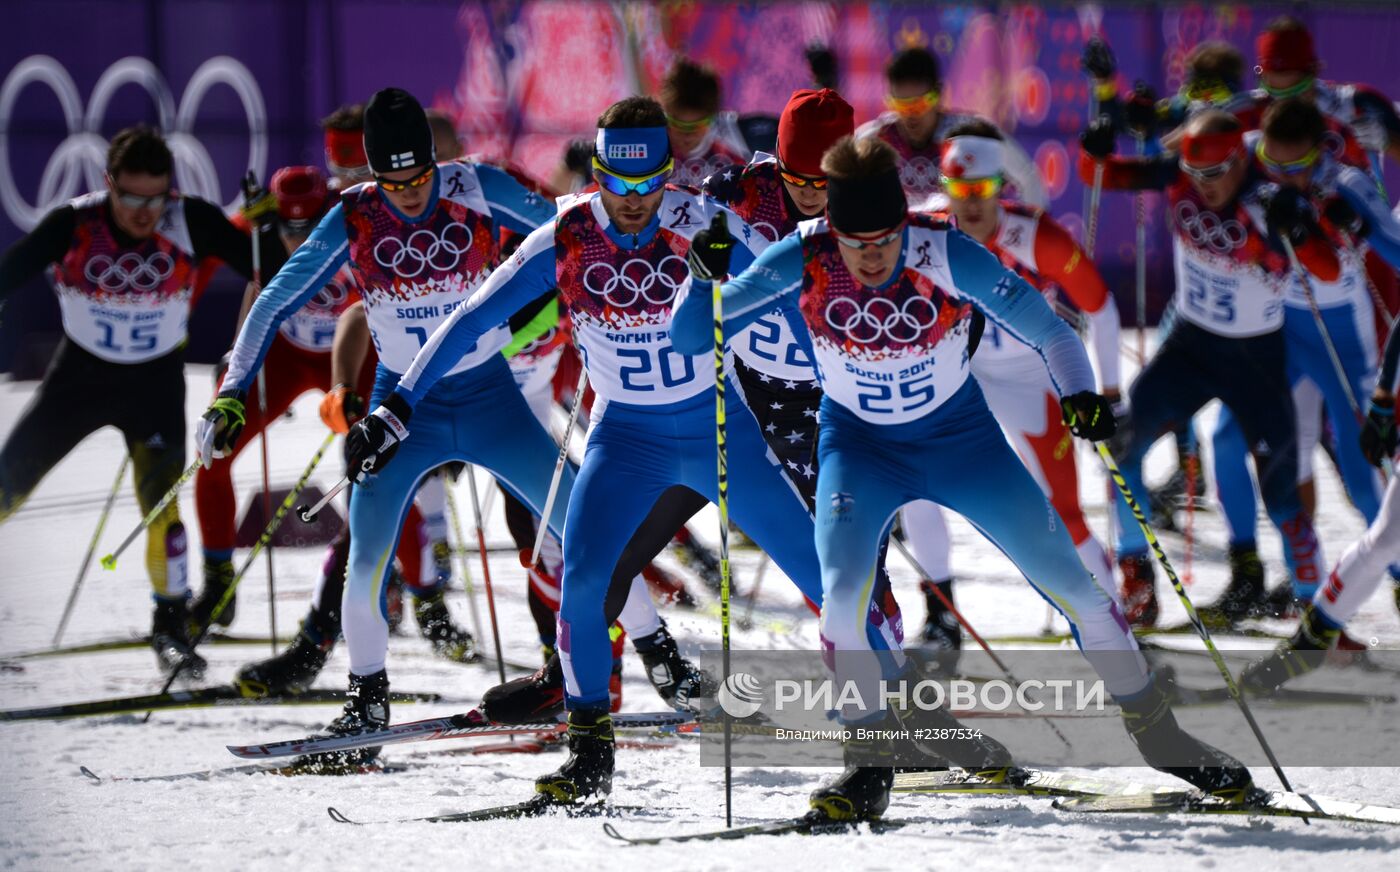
78 162
768 231
131 271
329 298
638 279
919 174
423 250
1206 228
879 318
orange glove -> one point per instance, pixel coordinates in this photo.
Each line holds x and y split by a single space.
341 408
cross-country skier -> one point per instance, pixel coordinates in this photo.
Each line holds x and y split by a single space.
888 297
1226 220
702 138
419 239
124 263
917 123
345 146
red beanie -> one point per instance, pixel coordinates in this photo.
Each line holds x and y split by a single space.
811 123
1286 51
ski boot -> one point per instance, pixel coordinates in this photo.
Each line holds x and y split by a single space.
535 698
1174 493
1305 651
366 711
587 774
171 641
1168 748
969 749
435 624
291 672
1139 590
862 791
675 678
698 559
1281 602
942 635
218 576
1245 593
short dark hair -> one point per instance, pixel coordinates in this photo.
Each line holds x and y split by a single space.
849 158
976 127
1285 24
915 64
1294 121
632 112
139 149
1212 121
688 85
1214 59
349 117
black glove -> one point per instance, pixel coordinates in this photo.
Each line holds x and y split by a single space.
372 443
259 204
710 250
1346 219
1140 112
1378 436
218 429
1290 216
1098 138
1097 59
1089 415
822 63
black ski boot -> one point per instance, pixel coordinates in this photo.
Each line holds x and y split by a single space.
436 625
1246 591
942 634
366 711
675 678
1168 748
587 774
964 747
1301 654
862 792
291 672
1139 591
171 641
218 575
535 698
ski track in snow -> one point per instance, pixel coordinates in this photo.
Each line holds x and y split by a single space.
56 818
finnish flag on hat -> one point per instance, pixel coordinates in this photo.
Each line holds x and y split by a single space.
397 135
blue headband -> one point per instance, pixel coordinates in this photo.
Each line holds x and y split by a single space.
633 151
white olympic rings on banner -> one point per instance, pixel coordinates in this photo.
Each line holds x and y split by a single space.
78 163
423 250
879 318
1206 228
131 271
638 279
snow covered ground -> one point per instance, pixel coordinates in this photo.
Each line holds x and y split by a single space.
56 818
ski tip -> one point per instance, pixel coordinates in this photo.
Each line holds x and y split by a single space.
337 816
96 779
612 832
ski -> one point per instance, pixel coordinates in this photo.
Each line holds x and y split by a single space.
534 807
257 769
1286 695
471 723
1025 782
1270 804
811 824
186 699
132 643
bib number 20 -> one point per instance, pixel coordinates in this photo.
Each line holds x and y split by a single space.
675 369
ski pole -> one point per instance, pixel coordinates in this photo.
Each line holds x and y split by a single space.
249 187
466 561
308 514
982 643
1095 194
722 450
1126 493
558 469
486 572
248 561
1302 276
92 549
109 562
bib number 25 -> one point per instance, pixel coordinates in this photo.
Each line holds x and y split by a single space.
884 398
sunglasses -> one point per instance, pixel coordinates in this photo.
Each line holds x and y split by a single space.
1302 87
1210 173
422 178
1208 90
860 244
360 173
689 126
818 183
910 106
616 183
138 201
1289 167
972 189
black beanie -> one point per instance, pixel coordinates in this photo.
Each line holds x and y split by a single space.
867 204
397 135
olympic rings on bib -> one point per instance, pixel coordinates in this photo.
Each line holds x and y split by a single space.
129 272
424 250
880 319
637 280
1206 228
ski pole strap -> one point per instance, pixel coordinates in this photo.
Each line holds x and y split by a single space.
109 562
